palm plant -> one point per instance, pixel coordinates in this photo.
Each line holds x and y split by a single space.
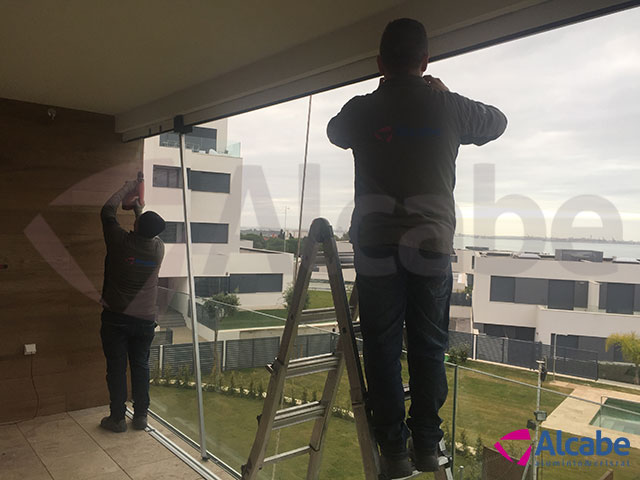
629 344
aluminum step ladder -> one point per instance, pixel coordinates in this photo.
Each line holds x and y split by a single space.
283 367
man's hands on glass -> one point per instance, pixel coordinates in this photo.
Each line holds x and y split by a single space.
435 83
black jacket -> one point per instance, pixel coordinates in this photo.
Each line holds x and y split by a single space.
131 266
405 138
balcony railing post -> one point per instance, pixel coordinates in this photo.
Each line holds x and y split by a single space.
192 291
453 421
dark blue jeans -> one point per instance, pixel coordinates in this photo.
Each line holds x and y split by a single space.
126 337
400 286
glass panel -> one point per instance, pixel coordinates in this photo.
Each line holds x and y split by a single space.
172 390
234 393
490 408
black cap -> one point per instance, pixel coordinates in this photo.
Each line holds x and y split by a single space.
150 224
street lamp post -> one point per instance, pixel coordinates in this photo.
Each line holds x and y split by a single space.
284 243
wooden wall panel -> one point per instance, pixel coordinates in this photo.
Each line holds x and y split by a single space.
54 177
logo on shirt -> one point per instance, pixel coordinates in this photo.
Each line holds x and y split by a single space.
139 261
385 134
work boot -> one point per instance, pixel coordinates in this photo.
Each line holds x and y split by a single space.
109 423
139 422
424 459
396 466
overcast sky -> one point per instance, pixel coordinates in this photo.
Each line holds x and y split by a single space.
572 97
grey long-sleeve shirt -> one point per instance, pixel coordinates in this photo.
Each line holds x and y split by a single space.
131 266
405 138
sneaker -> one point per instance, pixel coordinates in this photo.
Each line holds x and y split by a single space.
425 459
118 426
396 467
140 422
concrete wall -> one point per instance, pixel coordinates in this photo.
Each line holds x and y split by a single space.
55 175
576 322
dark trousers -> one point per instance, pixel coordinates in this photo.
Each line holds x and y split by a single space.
398 287
127 337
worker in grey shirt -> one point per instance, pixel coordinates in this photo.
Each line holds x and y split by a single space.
129 295
405 138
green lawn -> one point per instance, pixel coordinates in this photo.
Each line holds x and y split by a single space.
263 318
231 425
487 408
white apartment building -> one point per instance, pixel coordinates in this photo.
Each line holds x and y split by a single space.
221 261
576 296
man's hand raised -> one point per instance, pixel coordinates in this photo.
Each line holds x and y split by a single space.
130 186
435 83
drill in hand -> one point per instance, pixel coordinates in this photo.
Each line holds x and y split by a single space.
135 200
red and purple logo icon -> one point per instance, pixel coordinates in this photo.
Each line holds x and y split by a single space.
522 434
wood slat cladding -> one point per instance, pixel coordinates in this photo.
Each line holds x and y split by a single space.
55 174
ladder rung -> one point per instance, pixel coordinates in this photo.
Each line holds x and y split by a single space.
298 414
309 365
415 474
285 455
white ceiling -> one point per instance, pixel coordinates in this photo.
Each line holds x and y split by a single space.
146 61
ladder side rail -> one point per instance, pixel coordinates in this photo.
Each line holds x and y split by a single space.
299 290
276 383
321 425
368 447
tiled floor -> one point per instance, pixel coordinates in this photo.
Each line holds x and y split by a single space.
71 446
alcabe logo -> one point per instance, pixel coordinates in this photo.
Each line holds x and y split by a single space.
570 446
385 134
522 434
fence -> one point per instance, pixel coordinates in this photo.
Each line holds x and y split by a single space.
171 360
520 353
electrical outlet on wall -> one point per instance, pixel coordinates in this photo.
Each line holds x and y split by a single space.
30 349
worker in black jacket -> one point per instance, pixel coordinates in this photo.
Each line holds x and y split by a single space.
405 138
129 299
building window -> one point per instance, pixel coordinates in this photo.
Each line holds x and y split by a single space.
566 341
581 297
209 181
502 289
199 140
169 177
531 291
170 139
173 233
620 298
200 233
561 294
210 233
517 333
256 283
208 286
